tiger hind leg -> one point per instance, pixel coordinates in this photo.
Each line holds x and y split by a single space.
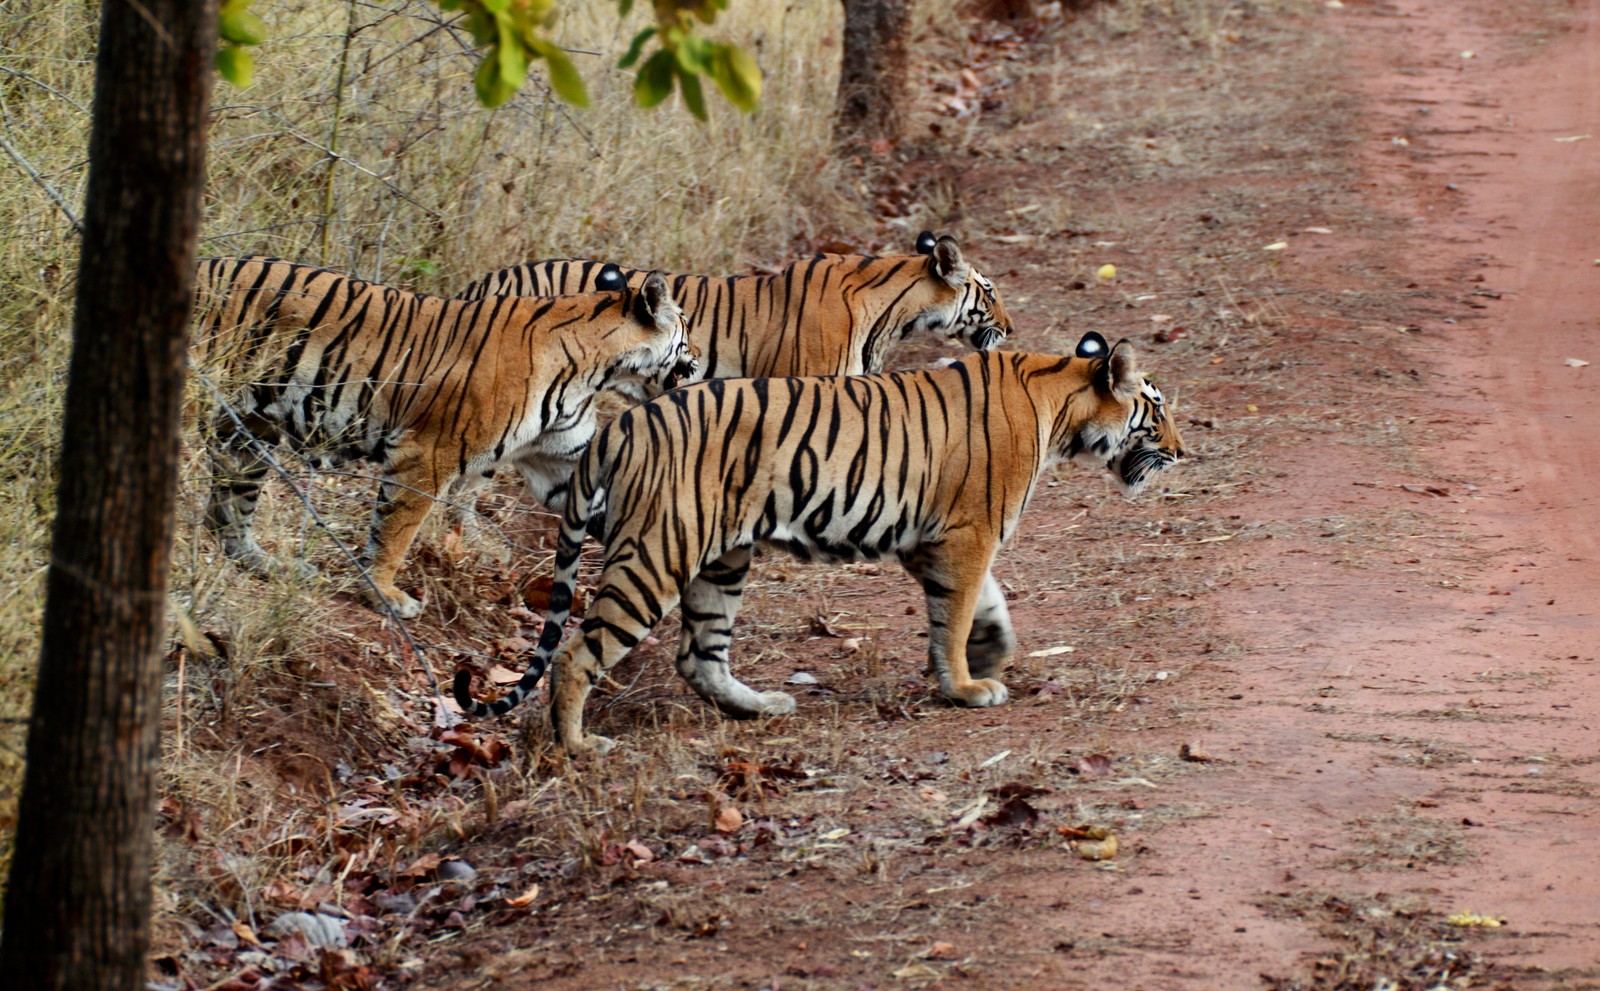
953 575
239 467
991 642
614 625
710 604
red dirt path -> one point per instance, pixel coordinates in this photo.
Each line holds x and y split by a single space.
1418 655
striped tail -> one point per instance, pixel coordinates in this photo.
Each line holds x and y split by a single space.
574 524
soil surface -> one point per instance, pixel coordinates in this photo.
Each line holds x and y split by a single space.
1333 688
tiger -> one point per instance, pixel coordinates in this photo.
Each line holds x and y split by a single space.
826 315
931 467
434 390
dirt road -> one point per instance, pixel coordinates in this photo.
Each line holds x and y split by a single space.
1377 632
1423 734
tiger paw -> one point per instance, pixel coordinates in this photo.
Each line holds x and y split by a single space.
978 694
251 557
776 703
391 598
591 743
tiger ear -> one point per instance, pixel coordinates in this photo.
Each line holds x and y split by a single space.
925 242
655 299
1092 346
610 279
1119 374
948 264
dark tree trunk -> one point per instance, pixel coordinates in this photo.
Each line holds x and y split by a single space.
77 911
872 74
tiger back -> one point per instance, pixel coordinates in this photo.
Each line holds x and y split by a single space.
826 315
932 468
432 389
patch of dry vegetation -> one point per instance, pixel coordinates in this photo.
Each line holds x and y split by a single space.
1382 941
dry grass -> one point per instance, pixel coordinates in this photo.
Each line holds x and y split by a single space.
1381 941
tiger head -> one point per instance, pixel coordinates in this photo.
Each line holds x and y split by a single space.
1129 429
960 302
662 358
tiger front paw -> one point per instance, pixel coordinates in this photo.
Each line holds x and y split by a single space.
978 694
388 597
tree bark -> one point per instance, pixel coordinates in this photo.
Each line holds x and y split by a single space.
872 73
77 910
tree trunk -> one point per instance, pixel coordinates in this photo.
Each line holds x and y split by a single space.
872 74
77 912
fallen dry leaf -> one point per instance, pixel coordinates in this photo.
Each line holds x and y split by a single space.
728 819
525 899
1574 362
1104 849
245 933
424 866
820 627
997 758
1193 752
536 594
641 853
1092 766
503 676
1052 651
1015 812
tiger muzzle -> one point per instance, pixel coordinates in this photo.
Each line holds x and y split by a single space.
987 338
687 367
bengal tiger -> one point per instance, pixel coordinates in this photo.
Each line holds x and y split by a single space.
435 390
826 315
931 467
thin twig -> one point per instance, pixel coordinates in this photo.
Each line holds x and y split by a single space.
333 134
46 87
33 173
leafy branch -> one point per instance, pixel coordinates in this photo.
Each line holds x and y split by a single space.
516 33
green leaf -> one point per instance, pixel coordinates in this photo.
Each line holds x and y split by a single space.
654 81
513 58
236 65
624 8
492 89
496 6
691 53
738 77
690 84
418 266
241 27
636 48
483 26
564 78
